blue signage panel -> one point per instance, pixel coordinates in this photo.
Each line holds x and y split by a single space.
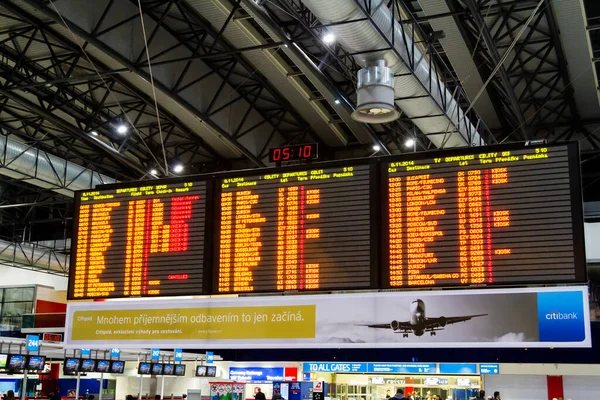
33 343
336 367
458 368
115 352
561 316
178 354
408 368
85 352
489 369
155 354
240 374
210 357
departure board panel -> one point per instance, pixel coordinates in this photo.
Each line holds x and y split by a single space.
302 230
498 217
139 241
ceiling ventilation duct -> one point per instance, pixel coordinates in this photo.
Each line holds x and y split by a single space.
375 94
420 94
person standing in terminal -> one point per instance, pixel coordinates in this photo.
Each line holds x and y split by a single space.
481 395
259 395
399 395
497 396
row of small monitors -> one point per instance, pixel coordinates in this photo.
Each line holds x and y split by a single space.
145 368
74 365
20 362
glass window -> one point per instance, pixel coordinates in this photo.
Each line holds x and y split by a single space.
18 294
17 308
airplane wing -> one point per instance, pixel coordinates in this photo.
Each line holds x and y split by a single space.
440 322
397 326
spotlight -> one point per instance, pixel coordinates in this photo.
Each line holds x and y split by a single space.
376 147
94 133
410 142
337 101
329 38
178 168
153 172
122 129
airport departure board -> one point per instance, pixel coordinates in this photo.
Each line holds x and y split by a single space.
497 217
300 230
139 241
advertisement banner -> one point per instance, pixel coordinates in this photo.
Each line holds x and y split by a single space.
255 374
526 317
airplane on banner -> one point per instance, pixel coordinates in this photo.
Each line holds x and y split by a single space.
419 323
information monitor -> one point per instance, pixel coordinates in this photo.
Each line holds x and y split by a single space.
139 241
295 230
484 218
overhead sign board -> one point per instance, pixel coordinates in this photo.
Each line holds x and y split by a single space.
458 368
33 343
249 374
407 368
323 321
489 369
338 368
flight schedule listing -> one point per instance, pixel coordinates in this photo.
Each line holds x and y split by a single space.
301 230
483 218
139 241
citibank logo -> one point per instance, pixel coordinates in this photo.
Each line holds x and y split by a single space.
555 315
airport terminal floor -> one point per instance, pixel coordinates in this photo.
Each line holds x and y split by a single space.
299 199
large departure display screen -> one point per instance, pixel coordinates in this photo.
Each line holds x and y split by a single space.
300 230
499 217
139 241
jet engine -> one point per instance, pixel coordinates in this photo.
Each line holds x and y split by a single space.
442 321
395 325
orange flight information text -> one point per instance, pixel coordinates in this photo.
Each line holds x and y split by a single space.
289 231
139 241
473 219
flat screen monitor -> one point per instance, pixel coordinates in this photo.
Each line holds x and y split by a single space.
200 370
157 369
144 368
180 370
3 360
36 363
168 369
16 362
88 365
103 366
117 367
71 366
211 371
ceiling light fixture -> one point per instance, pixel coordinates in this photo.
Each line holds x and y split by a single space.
122 129
153 172
376 147
178 168
410 142
329 38
337 101
375 94
94 133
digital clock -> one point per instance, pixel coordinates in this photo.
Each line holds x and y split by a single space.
294 153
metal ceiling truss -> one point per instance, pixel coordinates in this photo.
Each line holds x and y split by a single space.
340 66
35 225
531 91
266 118
54 95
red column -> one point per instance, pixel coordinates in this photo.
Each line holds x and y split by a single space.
555 387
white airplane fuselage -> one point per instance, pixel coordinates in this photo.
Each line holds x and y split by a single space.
417 317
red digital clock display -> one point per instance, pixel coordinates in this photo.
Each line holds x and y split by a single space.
294 153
